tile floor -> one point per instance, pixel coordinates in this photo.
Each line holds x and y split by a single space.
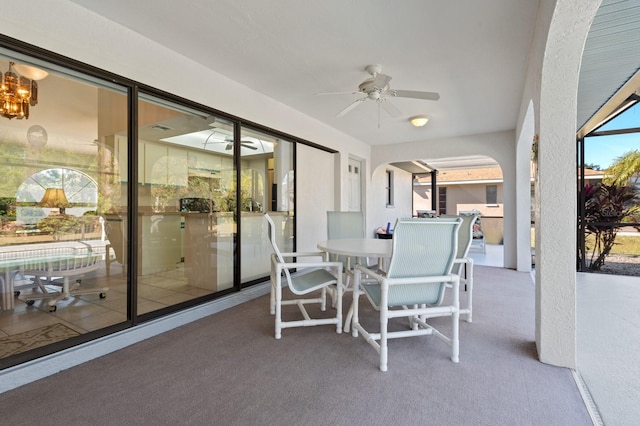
89 312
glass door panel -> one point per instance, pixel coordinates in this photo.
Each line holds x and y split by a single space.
186 199
266 185
62 182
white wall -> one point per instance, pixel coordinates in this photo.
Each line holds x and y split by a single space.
314 196
378 213
500 146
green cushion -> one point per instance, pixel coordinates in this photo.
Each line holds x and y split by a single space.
310 280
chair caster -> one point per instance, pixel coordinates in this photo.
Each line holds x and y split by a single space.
16 293
30 302
53 308
103 295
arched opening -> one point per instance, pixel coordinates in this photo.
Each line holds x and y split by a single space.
59 201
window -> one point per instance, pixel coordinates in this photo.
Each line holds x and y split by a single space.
389 188
492 194
442 200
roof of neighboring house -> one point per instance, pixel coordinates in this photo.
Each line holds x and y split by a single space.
456 175
484 174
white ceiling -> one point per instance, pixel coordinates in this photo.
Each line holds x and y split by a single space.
474 53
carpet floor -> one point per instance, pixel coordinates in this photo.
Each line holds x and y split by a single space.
228 369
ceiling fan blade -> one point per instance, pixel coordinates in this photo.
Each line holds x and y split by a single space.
248 145
350 107
210 139
351 92
381 80
391 109
430 96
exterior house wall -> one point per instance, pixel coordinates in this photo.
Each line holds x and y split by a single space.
475 193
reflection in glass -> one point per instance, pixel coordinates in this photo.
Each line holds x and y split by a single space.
186 203
60 186
266 164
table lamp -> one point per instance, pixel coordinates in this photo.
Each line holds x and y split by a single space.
54 198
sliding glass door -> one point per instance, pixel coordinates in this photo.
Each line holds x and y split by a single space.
63 204
266 185
186 204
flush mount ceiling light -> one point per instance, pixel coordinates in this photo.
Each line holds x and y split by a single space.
419 120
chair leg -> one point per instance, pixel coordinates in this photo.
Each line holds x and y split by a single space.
340 291
272 297
455 319
468 283
323 296
278 306
384 321
470 299
455 340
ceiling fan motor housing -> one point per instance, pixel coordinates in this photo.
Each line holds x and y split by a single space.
371 90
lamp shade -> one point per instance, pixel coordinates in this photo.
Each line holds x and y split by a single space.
419 120
54 198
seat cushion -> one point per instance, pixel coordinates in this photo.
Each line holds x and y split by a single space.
307 281
406 294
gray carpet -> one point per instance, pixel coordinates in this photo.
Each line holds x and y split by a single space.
228 369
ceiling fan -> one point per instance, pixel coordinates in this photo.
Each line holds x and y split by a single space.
229 142
376 88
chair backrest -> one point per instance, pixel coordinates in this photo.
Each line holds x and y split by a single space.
465 236
274 245
423 247
341 225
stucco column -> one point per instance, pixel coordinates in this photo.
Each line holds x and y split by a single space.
556 185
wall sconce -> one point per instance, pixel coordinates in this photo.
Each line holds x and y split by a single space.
54 198
419 120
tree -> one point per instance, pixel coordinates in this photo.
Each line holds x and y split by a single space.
624 169
592 166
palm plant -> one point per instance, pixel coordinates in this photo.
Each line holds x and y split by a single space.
607 206
624 170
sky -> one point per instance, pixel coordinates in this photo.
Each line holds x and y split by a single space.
604 150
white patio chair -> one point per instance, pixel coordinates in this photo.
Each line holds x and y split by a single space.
50 264
463 265
478 239
423 255
311 276
341 225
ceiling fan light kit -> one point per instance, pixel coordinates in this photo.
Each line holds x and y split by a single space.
419 120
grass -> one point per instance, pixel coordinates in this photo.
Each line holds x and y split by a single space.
625 244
